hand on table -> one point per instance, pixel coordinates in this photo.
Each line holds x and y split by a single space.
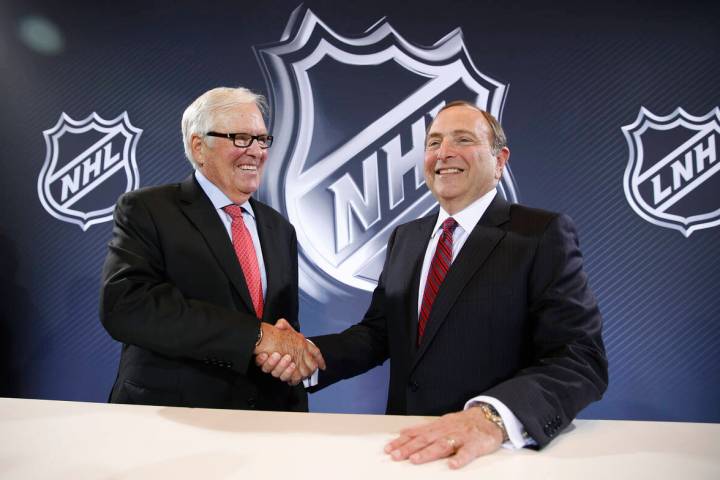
286 354
461 436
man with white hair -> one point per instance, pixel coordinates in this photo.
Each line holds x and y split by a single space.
198 273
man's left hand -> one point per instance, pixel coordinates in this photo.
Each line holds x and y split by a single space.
461 436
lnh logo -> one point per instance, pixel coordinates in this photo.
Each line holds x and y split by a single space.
680 173
669 178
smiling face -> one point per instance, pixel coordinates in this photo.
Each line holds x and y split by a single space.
235 171
460 166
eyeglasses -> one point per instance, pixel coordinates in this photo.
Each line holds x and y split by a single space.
244 140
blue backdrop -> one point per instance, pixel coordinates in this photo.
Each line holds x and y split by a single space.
610 109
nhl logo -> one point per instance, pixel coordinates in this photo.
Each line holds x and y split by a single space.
670 179
88 164
350 115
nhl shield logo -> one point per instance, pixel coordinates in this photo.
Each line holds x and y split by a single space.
88 164
350 115
671 178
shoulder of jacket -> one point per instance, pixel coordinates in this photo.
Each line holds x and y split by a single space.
155 191
529 220
269 212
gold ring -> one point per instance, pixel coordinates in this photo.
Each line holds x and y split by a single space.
452 443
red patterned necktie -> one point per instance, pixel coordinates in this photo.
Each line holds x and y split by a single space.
438 269
245 251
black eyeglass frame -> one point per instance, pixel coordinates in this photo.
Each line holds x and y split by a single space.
233 137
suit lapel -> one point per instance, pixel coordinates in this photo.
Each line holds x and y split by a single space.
479 245
201 212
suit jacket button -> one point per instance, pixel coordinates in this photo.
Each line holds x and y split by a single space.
414 387
251 402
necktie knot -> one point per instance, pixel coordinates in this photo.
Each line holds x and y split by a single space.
235 211
449 225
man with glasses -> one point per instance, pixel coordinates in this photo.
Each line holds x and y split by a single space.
198 273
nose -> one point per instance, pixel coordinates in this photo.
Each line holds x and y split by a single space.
254 148
445 149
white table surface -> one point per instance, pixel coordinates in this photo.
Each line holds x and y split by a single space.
71 440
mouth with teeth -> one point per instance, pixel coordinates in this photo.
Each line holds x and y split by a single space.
448 171
247 168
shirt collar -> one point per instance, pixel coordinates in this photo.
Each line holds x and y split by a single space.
216 196
469 216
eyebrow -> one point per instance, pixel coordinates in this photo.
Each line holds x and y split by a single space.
454 132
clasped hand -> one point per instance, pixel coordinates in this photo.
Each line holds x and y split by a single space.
286 354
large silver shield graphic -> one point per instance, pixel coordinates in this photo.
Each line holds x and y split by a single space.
349 118
670 179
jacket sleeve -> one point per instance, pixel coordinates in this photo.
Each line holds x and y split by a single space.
568 367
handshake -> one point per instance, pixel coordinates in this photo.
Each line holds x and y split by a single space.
286 354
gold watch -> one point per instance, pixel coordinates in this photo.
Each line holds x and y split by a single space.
491 414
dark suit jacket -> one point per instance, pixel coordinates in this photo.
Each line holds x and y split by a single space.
174 294
514 319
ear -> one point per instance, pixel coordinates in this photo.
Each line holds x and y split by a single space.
500 160
196 147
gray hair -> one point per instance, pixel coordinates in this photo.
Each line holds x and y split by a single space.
199 117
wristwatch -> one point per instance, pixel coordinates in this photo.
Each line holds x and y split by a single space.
491 414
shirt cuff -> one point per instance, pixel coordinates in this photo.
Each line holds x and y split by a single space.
517 437
312 380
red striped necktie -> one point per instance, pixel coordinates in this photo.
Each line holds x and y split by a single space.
438 269
245 251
